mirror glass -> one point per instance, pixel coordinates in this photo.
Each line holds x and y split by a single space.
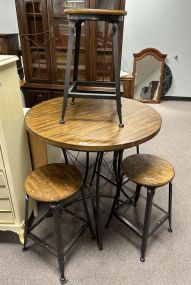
147 79
148 69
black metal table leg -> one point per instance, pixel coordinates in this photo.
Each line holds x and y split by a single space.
115 163
117 71
87 213
150 195
94 170
65 155
119 180
68 68
97 219
170 208
87 166
56 207
26 222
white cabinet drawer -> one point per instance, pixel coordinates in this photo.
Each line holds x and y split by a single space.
5 205
6 218
4 193
2 179
1 161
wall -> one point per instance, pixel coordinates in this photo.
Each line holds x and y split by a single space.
164 25
8 18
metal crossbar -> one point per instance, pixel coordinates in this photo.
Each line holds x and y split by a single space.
132 226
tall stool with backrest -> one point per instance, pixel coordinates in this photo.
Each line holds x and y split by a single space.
54 184
76 18
151 172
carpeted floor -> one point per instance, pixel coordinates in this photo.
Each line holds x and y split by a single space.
168 258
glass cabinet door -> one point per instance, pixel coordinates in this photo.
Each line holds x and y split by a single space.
104 66
35 34
60 31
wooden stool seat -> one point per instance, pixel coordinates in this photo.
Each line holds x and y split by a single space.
95 12
53 182
148 170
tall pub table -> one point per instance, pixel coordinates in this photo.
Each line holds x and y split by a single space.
91 126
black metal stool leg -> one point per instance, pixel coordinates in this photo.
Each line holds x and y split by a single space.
150 194
56 207
65 156
98 220
117 72
77 53
137 148
137 194
170 207
119 179
87 213
26 222
68 68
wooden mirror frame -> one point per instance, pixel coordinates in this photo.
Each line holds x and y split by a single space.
159 56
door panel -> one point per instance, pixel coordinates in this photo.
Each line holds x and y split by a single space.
34 34
60 26
102 45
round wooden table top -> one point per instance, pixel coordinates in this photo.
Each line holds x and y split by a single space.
92 125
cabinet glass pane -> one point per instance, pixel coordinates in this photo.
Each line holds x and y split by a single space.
104 56
61 31
38 38
33 6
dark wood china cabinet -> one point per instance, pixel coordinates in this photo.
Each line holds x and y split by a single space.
9 44
43 30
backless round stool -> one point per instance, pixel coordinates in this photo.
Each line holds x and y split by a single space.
76 18
53 184
151 172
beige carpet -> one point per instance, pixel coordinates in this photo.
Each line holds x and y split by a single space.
168 258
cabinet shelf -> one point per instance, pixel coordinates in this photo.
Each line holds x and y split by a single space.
35 48
34 14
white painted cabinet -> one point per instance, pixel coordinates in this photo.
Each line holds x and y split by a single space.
15 162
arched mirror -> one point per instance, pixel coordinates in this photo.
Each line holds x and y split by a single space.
148 71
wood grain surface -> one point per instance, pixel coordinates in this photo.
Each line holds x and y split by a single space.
92 125
148 170
53 182
95 12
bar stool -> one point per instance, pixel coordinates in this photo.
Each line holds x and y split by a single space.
76 18
151 172
53 184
